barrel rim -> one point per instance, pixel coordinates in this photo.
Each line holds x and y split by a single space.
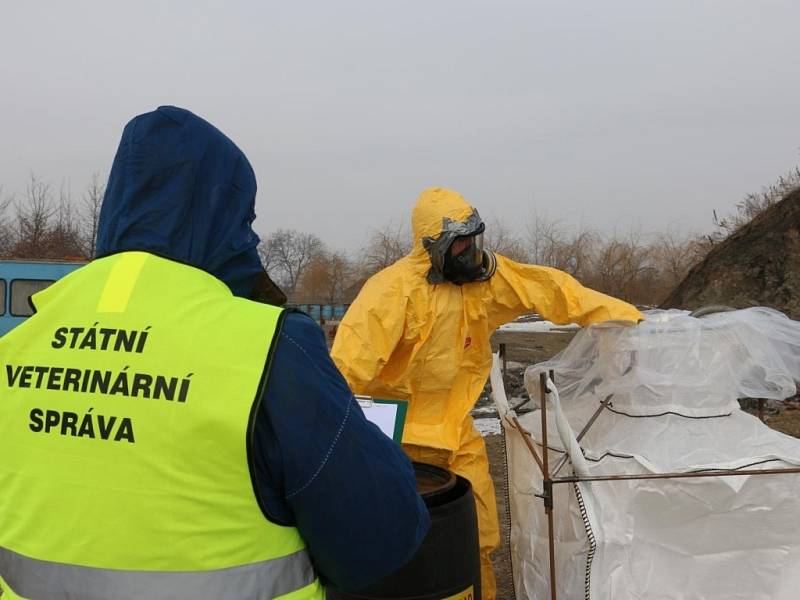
446 479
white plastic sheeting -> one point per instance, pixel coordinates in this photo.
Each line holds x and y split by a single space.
672 383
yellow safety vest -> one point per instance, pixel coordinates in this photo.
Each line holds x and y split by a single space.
126 411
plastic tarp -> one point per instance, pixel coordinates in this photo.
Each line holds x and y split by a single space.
671 386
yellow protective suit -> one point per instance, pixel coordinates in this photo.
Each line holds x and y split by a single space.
405 338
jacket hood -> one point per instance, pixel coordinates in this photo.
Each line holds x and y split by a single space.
440 216
181 189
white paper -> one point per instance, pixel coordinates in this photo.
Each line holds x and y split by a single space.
383 415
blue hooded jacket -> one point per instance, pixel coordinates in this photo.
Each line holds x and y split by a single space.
181 189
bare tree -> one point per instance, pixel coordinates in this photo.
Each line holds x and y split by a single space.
551 245
6 232
41 224
90 214
501 239
385 246
63 235
43 227
286 255
673 254
622 268
340 270
543 239
753 205
267 258
327 277
577 256
32 220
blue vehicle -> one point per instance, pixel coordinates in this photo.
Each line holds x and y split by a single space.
323 312
20 279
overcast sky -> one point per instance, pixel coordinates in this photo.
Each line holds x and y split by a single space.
612 114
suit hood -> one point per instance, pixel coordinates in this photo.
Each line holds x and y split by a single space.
440 216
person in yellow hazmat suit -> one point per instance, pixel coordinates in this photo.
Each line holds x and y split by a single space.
419 330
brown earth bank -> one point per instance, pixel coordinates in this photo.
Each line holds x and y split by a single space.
758 265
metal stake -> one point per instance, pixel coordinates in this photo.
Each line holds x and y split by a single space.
547 485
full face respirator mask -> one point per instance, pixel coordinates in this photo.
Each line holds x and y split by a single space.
457 254
463 262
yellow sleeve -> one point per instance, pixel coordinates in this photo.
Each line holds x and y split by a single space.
555 295
368 334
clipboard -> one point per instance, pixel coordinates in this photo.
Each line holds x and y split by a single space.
388 415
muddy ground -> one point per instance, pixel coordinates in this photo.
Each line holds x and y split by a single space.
525 349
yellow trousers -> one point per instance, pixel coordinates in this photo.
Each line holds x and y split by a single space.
471 462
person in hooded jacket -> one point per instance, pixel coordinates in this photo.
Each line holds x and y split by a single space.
419 330
165 436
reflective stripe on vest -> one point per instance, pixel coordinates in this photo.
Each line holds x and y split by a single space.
37 579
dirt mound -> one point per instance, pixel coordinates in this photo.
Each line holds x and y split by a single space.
759 265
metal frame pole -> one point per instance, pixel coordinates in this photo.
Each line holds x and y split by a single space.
678 475
547 485
603 404
526 438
